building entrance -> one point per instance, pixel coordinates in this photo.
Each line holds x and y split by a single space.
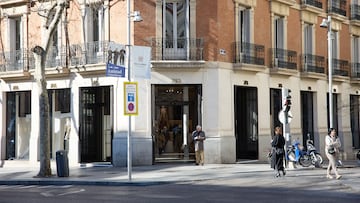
176 112
246 123
95 131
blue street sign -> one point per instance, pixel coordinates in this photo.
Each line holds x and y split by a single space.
114 70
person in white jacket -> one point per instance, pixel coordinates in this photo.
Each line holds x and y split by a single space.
332 146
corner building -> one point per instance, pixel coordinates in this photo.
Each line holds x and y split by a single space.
217 63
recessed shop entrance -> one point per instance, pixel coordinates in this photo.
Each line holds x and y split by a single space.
176 112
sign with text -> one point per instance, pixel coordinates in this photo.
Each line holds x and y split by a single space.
113 70
130 98
141 56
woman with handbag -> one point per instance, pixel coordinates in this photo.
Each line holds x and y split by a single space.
332 146
278 152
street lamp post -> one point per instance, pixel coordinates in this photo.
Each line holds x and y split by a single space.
136 18
326 23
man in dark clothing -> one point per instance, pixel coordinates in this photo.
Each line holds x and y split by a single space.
277 162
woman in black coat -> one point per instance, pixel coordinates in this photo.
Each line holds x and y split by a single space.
277 162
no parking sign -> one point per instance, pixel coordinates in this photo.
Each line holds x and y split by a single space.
131 98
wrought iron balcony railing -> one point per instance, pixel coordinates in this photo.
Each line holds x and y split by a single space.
282 58
338 7
75 55
177 49
248 53
355 70
14 60
313 63
355 12
315 3
340 67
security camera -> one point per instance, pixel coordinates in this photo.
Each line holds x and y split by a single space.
324 23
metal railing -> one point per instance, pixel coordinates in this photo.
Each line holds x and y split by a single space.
178 49
14 60
340 67
282 58
355 70
313 63
355 12
74 55
248 53
315 3
338 7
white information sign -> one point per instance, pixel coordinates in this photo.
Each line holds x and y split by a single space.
131 98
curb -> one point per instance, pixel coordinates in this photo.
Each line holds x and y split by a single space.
89 183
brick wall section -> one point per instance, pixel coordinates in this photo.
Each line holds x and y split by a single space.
262 27
345 43
294 34
146 29
207 27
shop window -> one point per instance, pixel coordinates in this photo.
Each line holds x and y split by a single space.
24 103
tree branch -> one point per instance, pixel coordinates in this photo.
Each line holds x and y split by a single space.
59 6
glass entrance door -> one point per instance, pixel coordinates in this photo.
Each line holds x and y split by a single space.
176 112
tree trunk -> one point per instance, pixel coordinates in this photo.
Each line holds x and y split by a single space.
40 57
40 52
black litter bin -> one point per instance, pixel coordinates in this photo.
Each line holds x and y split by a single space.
62 163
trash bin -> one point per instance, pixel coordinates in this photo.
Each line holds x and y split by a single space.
62 163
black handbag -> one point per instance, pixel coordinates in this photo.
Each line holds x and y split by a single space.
331 150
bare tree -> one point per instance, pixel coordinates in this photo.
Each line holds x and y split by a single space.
53 17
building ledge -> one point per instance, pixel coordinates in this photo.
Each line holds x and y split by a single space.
91 69
15 75
9 2
355 80
287 2
313 9
312 75
177 64
355 22
339 78
339 17
249 67
283 71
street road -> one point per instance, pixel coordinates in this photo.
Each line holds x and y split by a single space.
297 186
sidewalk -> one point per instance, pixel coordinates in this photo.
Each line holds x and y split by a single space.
21 173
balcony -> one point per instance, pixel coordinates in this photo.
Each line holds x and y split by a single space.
355 70
180 53
247 53
313 66
76 55
313 3
355 12
340 69
283 61
338 7
16 63
185 49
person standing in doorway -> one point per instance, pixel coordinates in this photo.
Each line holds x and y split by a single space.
199 137
278 143
332 146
